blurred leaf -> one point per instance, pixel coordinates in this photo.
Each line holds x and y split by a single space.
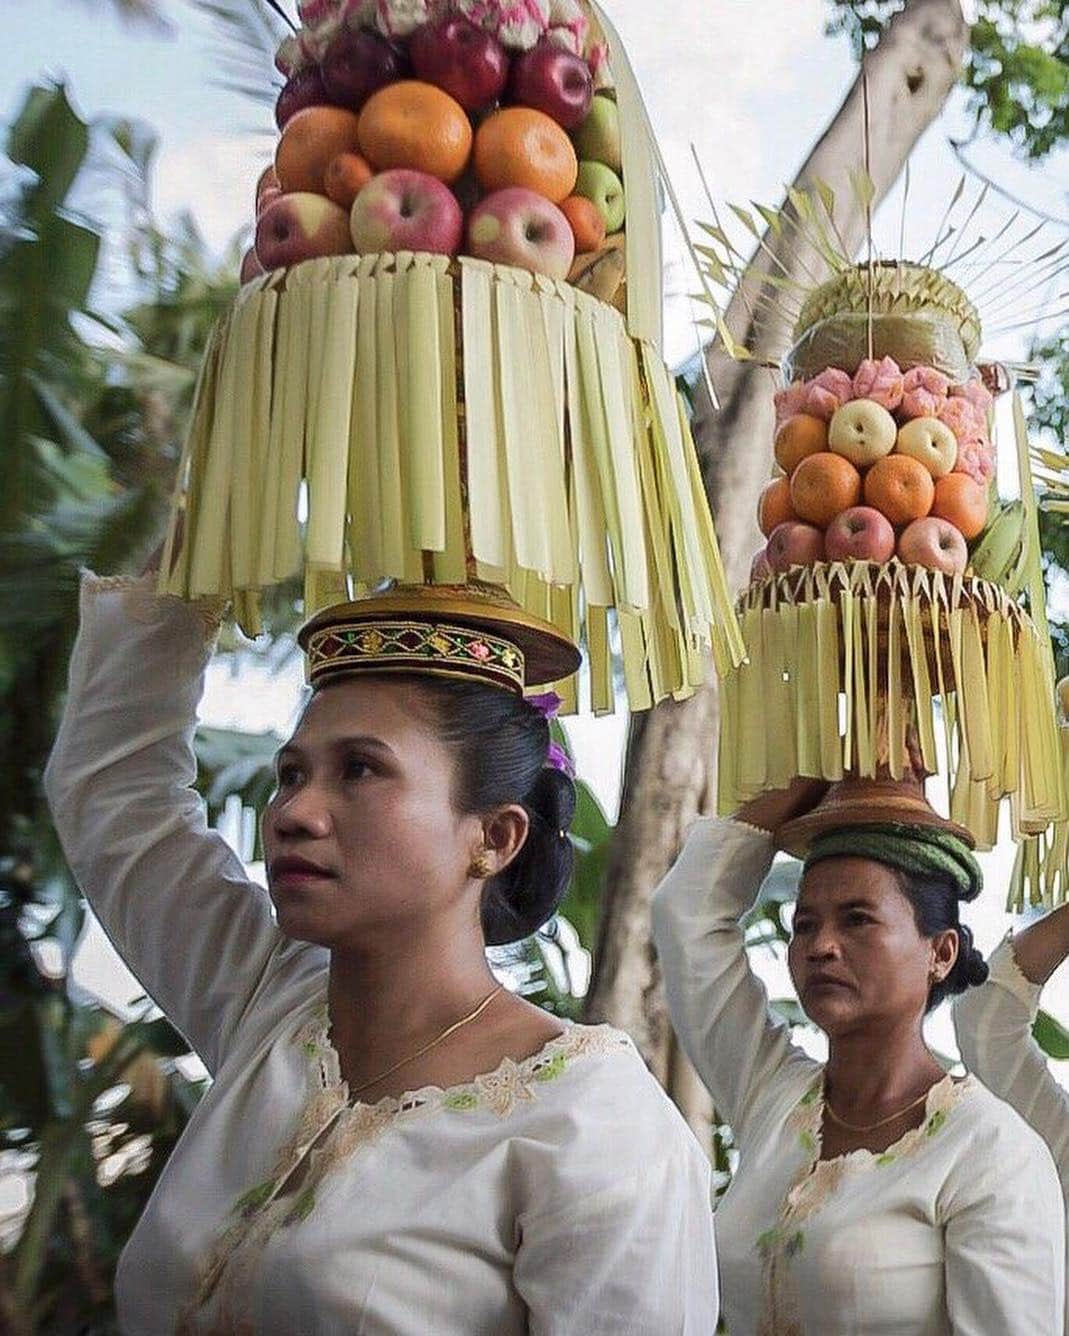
1051 1036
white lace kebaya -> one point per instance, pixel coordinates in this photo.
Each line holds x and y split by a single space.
955 1230
557 1195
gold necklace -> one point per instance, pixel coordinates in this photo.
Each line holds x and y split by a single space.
872 1127
472 1015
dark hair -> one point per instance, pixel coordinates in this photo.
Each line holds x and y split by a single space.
935 909
500 743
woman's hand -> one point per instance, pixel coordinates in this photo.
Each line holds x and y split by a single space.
769 811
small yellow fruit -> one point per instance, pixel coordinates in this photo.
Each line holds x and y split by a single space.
862 431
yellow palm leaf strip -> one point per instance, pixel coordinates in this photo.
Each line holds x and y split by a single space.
668 443
782 764
190 468
597 436
753 686
555 313
638 154
728 795
422 395
657 511
1025 865
847 621
599 660
209 561
1037 598
864 743
330 430
634 651
364 500
387 458
288 553
611 346
921 684
274 448
246 572
828 678
896 703
412 557
1039 753
534 469
995 675
727 639
937 616
491 539
450 566
807 719
1009 697
972 692
591 526
873 661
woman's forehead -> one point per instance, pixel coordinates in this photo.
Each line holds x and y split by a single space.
837 881
388 708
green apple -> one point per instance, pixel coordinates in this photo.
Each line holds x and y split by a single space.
603 187
598 138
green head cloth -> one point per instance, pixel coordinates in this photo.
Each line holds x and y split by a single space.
924 851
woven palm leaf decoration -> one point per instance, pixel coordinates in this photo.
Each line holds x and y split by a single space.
447 418
898 594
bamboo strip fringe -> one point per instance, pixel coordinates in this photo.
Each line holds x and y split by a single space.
336 382
841 658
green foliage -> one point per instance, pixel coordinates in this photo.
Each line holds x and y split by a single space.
1051 1036
1018 70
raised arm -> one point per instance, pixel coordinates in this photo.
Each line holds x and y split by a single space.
994 1028
171 895
718 1005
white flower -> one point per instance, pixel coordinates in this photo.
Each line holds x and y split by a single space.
289 57
517 24
398 18
567 25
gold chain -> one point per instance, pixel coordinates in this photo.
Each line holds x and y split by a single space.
438 1039
871 1127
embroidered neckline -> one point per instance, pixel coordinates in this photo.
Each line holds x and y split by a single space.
817 1179
330 1129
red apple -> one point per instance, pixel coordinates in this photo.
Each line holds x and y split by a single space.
357 63
934 543
303 89
267 197
301 226
554 81
859 534
404 210
465 60
794 544
520 227
759 567
250 266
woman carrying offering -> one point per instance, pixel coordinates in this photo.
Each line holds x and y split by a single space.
873 1193
391 1143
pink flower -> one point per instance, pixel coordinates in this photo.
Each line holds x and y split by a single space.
924 389
567 25
598 60
963 419
479 649
976 393
789 401
880 381
825 394
517 24
977 459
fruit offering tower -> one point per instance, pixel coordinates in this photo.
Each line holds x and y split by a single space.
443 366
887 601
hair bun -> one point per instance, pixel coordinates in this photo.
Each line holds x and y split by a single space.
552 798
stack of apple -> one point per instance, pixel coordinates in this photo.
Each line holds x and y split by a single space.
458 135
877 465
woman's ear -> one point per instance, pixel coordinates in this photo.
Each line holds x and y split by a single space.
945 947
505 833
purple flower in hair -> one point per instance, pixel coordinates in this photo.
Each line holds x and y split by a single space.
548 705
558 759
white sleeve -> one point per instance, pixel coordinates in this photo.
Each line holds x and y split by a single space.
169 892
994 1029
719 1007
636 1258
1005 1239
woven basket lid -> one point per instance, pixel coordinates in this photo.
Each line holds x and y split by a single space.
864 802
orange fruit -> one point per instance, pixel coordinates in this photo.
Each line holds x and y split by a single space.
798 437
962 501
345 177
413 124
311 140
823 486
775 505
899 487
586 221
519 146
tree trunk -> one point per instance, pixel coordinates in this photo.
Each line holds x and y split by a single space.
670 766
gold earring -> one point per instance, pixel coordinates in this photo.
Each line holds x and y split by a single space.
481 865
